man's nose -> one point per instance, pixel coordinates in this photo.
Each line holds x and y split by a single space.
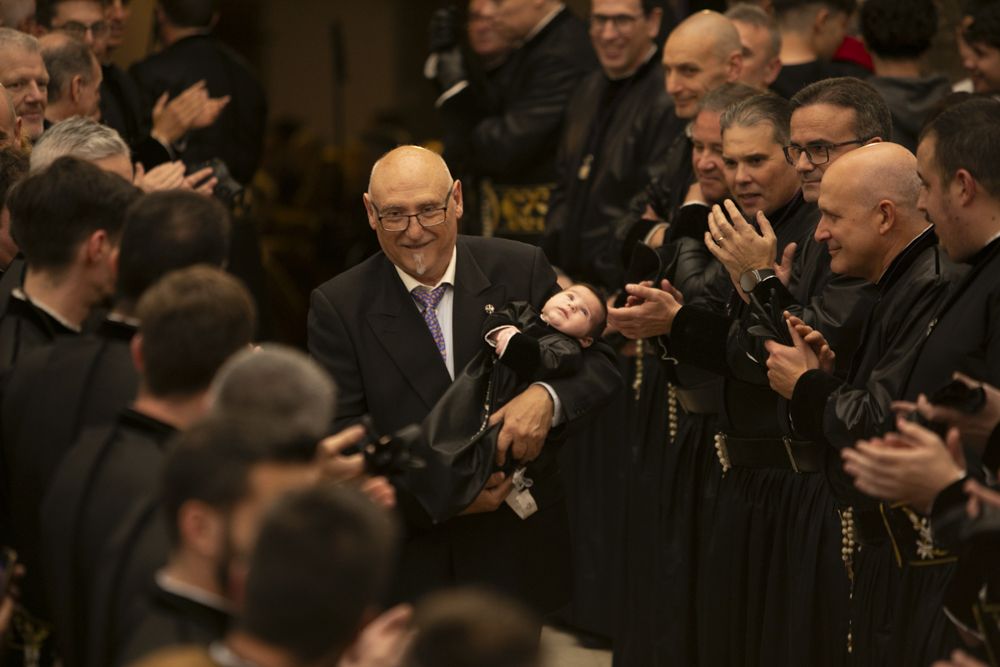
414 230
803 163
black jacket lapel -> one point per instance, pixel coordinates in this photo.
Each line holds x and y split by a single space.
473 293
403 333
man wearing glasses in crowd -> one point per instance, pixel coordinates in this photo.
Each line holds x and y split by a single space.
396 328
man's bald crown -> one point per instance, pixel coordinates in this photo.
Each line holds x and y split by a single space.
711 27
409 158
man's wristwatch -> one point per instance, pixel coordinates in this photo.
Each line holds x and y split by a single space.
750 279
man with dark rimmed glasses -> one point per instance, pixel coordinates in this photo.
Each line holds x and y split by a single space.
394 330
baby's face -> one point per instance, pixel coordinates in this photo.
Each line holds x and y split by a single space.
573 311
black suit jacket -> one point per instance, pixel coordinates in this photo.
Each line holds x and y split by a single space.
366 330
237 137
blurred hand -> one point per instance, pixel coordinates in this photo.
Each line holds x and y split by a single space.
167 176
911 466
210 112
333 464
976 428
201 181
173 118
383 642
979 495
497 488
960 659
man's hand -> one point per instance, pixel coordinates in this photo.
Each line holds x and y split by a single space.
383 642
783 269
912 466
738 245
201 181
816 342
526 419
497 488
785 365
167 176
336 467
960 659
210 112
173 118
975 428
333 464
648 312
979 495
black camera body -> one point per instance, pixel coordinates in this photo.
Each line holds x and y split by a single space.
387 455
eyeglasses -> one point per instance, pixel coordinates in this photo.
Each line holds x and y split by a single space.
429 217
817 154
621 22
79 30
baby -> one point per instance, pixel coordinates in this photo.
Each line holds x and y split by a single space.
549 344
522 347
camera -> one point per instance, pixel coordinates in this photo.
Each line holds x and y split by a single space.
227 190
387 455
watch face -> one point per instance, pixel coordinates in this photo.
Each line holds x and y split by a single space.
748 280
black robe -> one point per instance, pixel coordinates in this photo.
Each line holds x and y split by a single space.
777 592
962 337
614 132
825 409
511 146
171 619
109 472
24 326
50 395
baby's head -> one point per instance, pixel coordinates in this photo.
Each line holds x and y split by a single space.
577 311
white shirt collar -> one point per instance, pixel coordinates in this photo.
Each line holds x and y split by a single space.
448 278
19 294
544 22
200 595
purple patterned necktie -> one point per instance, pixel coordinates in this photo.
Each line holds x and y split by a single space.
427 301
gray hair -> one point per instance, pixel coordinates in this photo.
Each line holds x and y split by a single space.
762 108
63 62
277 383
721 98
15 39
77 137
744 12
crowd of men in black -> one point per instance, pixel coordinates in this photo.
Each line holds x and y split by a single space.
799 238
801 230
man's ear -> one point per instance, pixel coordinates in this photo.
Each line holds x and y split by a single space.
820 19
75 88
135 348
456 194
888 211
97 246
370 210
965 184
735 66
586 341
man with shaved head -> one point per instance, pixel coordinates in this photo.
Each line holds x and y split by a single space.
507 137
394 330
874 231
702 52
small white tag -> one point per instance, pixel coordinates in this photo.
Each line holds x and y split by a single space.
520 499
522 502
